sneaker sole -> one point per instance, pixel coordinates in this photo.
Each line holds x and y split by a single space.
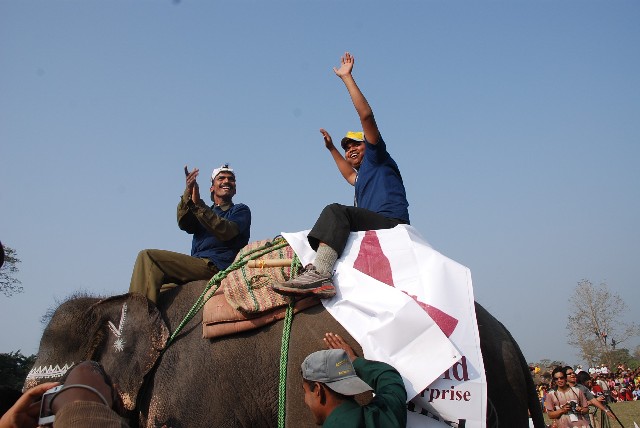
324 291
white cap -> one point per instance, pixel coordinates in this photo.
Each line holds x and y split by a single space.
223 168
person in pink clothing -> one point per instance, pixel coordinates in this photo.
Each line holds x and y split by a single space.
566 406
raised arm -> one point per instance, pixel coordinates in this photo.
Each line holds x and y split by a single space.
193 210
344 167
363 108
390 393
186 220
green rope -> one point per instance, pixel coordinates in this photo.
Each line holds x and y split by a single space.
256 306
284 352
218 277
276 244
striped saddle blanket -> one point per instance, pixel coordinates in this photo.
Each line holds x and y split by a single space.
245 299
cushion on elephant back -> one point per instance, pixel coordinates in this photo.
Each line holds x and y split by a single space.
248 289
220 319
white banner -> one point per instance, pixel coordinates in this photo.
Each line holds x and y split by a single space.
410 306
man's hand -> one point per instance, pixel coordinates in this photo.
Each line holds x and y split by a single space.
328 142
192 185
333 341
24 414
346 66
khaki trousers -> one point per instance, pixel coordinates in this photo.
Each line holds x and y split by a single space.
154 268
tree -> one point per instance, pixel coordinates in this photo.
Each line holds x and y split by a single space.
635 359
546 366
621 356
14 368
9 284
596 321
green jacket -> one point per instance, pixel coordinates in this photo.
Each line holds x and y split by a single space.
388 408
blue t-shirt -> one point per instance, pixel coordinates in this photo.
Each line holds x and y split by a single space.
222 253
379 186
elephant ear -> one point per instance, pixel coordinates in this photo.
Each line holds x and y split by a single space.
129 338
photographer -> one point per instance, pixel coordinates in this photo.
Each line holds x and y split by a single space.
566 405
583 382
86 398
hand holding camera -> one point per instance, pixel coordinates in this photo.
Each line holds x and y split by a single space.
46 414
24 412
573 411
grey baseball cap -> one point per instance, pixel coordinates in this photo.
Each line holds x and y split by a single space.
333 368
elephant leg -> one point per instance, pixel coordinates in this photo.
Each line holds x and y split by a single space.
508 389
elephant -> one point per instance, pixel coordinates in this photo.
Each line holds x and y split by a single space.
232 381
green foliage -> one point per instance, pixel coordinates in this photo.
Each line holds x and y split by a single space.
620 356
14 368
624 356
9 284
633 364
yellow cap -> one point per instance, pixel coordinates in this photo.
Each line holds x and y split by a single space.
352 136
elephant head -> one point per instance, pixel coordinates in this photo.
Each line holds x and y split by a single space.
125 333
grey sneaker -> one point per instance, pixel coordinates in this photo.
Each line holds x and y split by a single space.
309 282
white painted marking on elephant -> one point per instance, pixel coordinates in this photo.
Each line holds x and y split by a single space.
119 343
48 372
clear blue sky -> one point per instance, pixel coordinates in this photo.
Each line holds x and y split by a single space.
516 126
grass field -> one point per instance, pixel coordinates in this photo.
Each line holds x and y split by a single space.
627 411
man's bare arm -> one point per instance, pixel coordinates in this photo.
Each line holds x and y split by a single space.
345 169
363 108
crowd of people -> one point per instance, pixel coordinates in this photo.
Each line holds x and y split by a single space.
580 398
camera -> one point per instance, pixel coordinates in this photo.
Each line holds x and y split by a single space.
46 415
573 406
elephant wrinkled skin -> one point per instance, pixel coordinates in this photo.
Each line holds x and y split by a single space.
233 381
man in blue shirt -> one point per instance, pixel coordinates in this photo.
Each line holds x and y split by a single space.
219 232
380 197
